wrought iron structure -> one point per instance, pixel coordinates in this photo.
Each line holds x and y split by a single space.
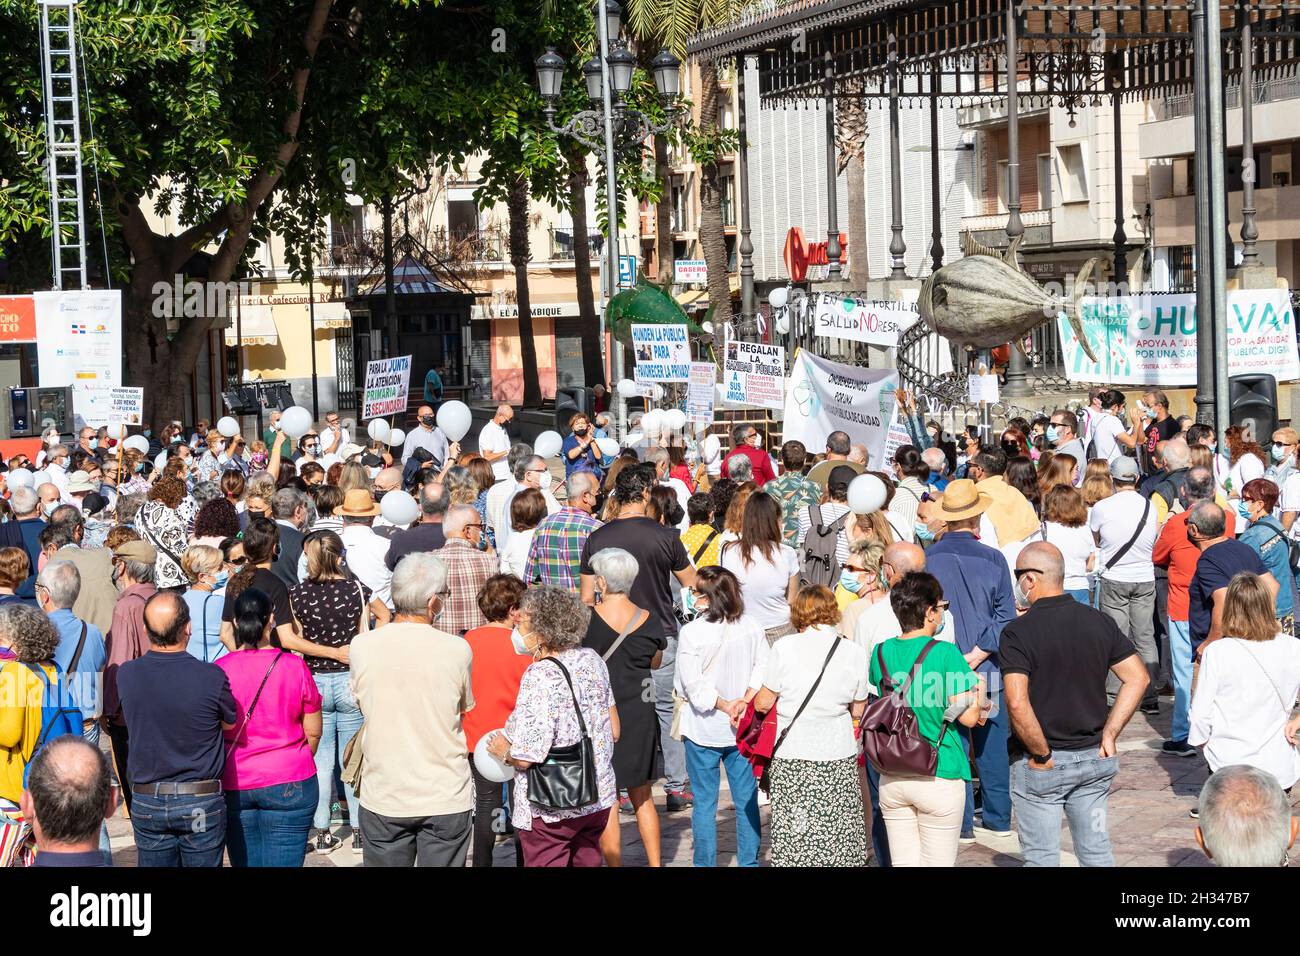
967 53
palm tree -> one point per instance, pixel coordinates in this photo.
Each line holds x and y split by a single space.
850 142
520 253
671 23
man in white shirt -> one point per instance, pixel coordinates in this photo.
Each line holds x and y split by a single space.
530 472
334 436
502 493
431 438
659 458
56 469
1125 527
365 550
1111 436
494 443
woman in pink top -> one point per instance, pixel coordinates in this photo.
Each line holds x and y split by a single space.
270 776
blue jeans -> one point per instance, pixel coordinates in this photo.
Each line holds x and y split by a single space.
340 720
674 753
990 747
181 830
1180 664
1079 782
90 733
879 833
269 825
1082 596
702 764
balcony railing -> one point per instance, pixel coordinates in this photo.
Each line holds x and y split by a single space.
728 212
471 245
562 244
1267 91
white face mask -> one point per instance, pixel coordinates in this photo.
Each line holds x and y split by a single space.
517 641
50 507
545 481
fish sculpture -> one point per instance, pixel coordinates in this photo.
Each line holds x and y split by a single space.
985 300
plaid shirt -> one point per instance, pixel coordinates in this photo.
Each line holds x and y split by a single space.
556 551
795 493
468 569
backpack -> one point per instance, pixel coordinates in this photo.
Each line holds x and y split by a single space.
59 716
820 564
891 736
1173 490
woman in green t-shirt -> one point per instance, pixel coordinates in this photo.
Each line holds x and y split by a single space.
923 814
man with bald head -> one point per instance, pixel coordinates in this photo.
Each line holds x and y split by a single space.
67 798
494 442
432 439
177 707
1056 658
50 497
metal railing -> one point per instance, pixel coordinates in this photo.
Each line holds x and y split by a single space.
471 245
1268 91
562 243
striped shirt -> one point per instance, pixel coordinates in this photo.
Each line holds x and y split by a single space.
556 552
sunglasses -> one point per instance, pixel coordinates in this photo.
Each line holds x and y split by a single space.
238 562
941 606
1021 572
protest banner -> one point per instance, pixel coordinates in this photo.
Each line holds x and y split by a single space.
824 396
699 393
663 353
896 439
98 406
388 382
871 321
1151 339
753 373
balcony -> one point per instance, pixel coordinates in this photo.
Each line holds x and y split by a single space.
992 230
1172 131
1277 216
728 214
562 244
491 244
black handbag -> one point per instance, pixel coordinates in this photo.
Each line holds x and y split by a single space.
566 779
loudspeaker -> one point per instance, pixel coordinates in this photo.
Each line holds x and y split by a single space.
1252 403
279 396
569 400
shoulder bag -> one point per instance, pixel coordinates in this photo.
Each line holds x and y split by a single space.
699 552
755 729
566 779
679 702
635 621
1137 533
891 737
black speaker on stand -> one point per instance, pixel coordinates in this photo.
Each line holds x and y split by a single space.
1252 403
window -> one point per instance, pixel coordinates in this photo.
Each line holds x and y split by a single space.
1044 181
462 219
1074 177
728 200
1182 269
681 201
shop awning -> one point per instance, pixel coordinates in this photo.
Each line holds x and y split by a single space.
332 315
698 299
254 325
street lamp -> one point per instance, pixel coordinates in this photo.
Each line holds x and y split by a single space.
550 74
668 79
613 19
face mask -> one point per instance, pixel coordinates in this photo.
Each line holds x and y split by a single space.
427 420
51 441
310 449
148 433
93 443
1053 436
139 467
176 439
580 431
1243 510
943 622
1279 453
849 582
545 481
259 461
372 472
1213 446
50 508
220 582
923 532
517 642
1151 413
1022 599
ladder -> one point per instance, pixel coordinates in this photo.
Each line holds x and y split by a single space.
63 142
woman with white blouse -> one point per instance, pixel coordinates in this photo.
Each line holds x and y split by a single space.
720 660
527 510
1247 686
767 569
1065 524
817 817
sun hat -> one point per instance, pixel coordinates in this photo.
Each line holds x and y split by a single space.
961 499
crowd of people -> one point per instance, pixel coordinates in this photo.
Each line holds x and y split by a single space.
427 651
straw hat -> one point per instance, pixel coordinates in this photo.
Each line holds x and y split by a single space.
357 503
961 499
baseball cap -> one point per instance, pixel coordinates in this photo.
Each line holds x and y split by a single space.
1124 468
141 551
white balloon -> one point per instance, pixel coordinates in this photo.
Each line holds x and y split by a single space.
866 494
778 297
227 427
626 388
631 438
608 446
160 460
711 447
652 422
117 431
136 443
657 391
454 418
547 444
487 764
707 328
395 437
398 507
295 422
20 478
42 477
675 418
378 429
783 324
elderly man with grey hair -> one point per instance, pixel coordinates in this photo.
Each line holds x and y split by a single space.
530 471
467 569
27 509
412 681
663 464
1245 818
499 496
739 469
82 652
292 511
747 442
555 556
67 799
938 462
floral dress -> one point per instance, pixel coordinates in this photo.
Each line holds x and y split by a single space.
164 528
544 717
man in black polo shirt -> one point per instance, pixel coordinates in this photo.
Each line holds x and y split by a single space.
181 706
1055 659
427 534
